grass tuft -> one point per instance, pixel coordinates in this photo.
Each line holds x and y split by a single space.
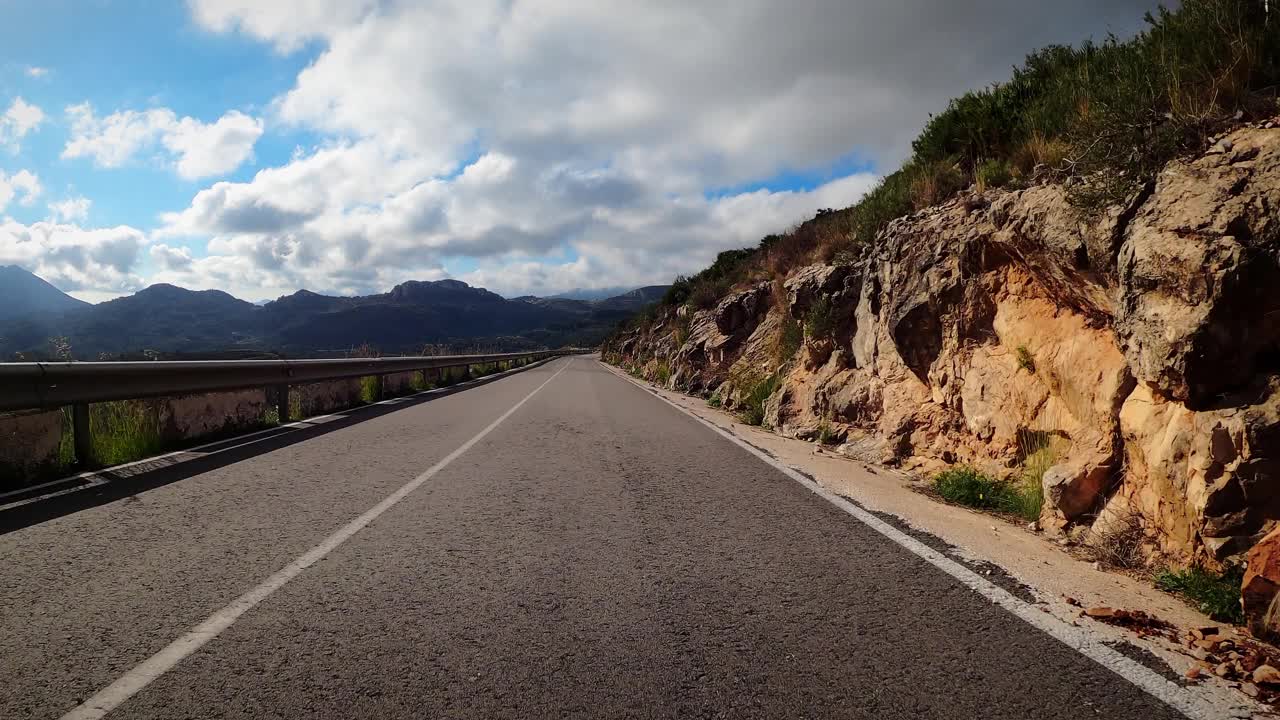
790 338
758 393
662 373
1118 543
820 322
125 431
1214 594
965 485
826 435
992 174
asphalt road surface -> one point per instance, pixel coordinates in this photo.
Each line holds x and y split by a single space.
594 554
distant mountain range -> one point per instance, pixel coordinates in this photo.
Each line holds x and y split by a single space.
168 319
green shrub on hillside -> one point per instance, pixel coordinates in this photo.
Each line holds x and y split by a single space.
706 293
1123 107
662 372
993 174
820 321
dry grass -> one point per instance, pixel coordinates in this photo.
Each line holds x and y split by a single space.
1038 153
936 183
1118 542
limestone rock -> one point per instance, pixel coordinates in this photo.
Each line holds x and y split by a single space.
1261 587
1199 280
1075 486
1266 675
740 312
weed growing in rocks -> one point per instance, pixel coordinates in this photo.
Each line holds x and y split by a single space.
1026 360
1038 454
826 435
662 373
758 394
790 337
715 401
1215 594
820 322
970 487
1026 498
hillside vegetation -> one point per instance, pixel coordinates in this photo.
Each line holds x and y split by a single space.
1102 117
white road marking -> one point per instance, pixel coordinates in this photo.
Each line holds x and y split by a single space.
110 697
1076 638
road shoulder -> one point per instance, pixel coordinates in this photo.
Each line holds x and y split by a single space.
1027 564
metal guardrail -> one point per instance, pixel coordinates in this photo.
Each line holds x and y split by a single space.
45 386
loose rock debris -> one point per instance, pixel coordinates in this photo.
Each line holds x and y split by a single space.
1142 623
1229 654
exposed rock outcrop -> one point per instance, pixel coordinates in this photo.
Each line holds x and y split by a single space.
1260 592
1138 344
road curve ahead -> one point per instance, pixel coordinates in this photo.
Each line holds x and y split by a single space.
556 544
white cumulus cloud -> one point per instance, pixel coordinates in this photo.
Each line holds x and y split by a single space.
175 259
18 120
73 209
90 263
195 148
24 183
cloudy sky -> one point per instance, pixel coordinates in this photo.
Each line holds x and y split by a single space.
522 145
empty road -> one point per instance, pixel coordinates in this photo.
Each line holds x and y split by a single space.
558 543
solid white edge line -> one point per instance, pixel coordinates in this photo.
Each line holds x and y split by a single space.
133 681
1073 637
96 477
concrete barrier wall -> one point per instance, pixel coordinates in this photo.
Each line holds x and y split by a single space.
29 443
193 416
320 398
398 383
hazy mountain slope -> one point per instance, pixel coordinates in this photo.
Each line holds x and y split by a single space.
23 294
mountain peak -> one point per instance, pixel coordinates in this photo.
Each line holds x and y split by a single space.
23 293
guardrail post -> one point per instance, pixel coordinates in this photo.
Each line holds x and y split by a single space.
282 403
80 434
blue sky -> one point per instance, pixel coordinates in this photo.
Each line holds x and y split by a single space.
528 146
134 54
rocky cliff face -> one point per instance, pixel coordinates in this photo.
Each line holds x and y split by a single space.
1138 346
